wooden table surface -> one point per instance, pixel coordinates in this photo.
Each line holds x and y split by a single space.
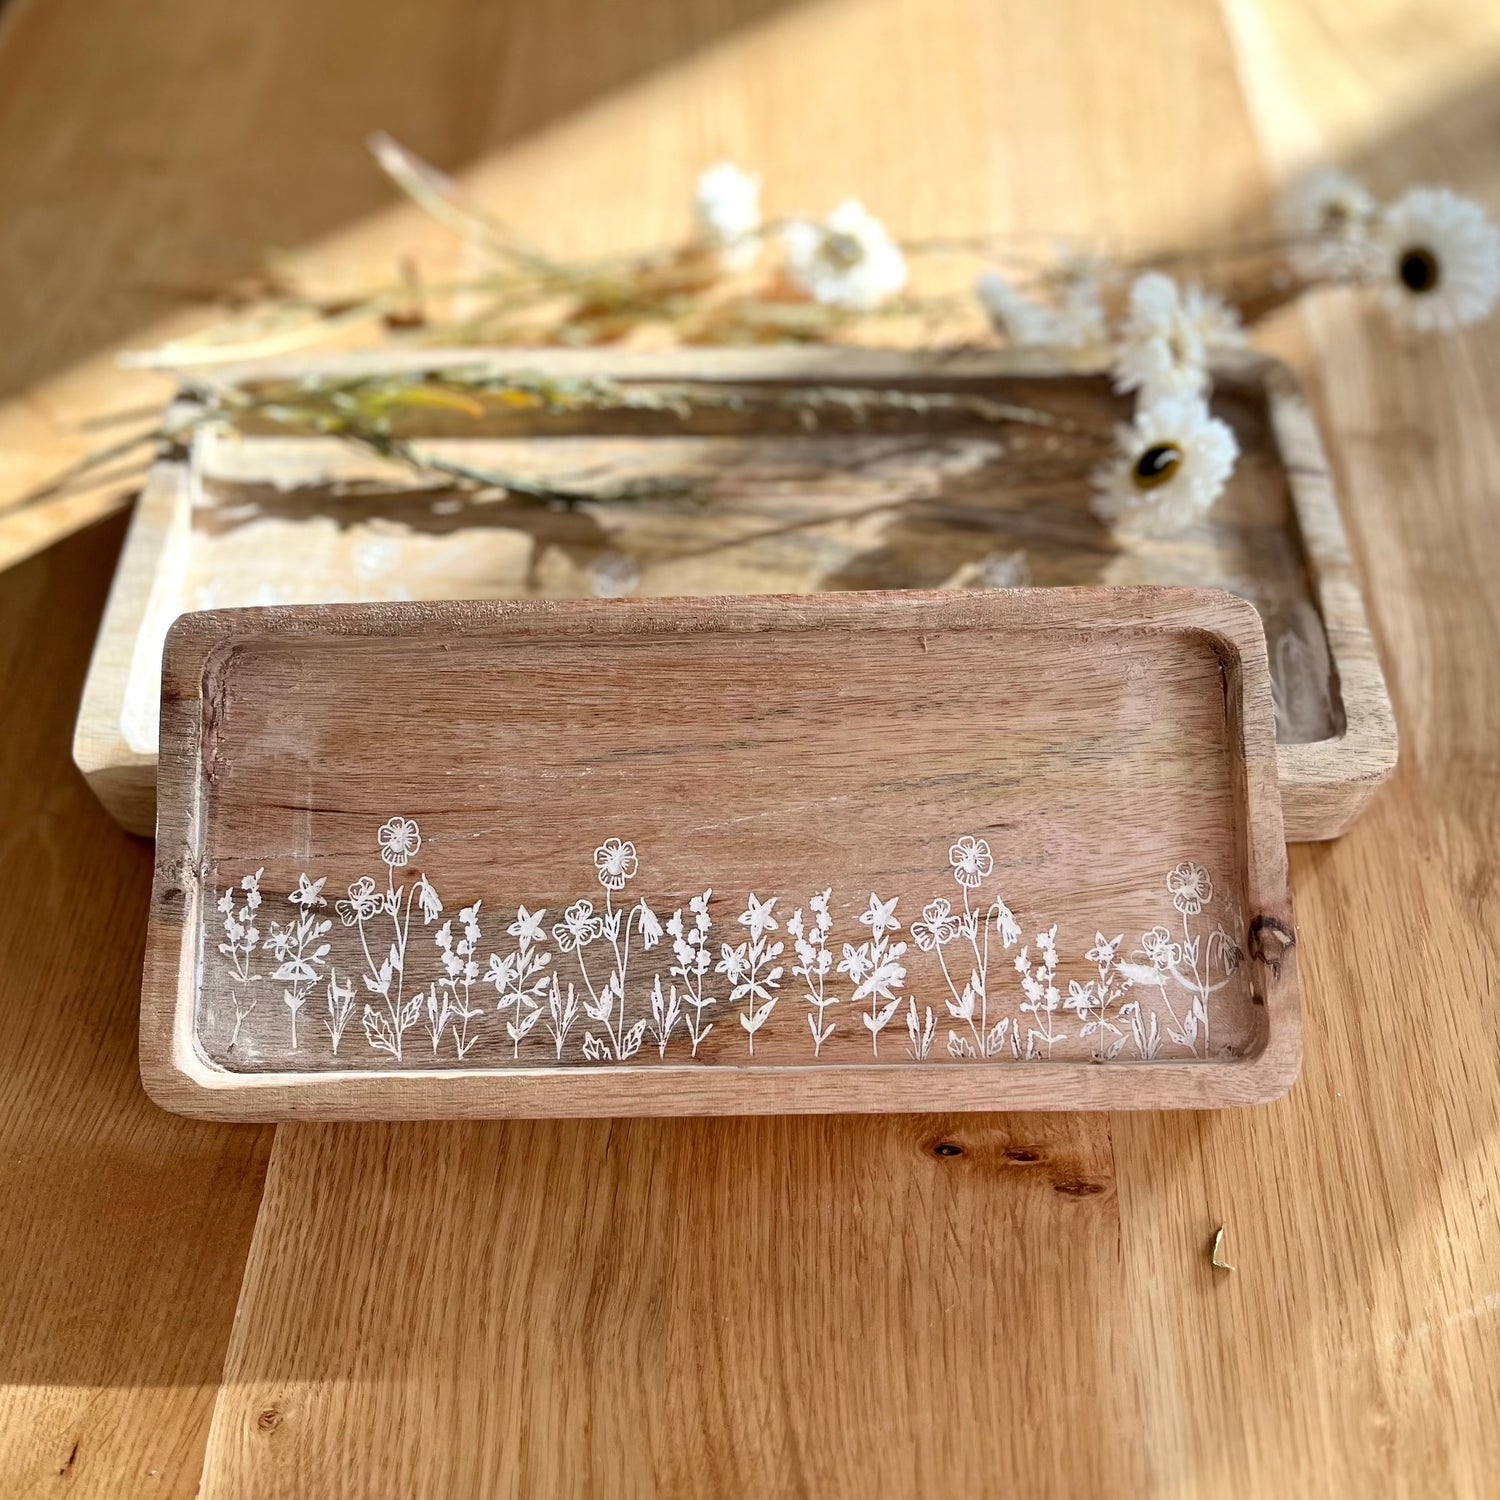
810 1306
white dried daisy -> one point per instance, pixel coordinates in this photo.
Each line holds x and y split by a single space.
1076 323
1328 216
1174 461
848 260
727 202
1170 334
1439 257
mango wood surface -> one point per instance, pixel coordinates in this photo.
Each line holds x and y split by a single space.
860 773
821 1306
900 498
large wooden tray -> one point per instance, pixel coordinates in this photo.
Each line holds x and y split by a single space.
1004 849
906 501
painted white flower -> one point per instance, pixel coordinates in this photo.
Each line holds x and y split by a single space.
1076 323
938 926
1191 888
651 929
1158 949
308 893
1080 997
579 927
819 905
1328 216
727 202
1173 463
1439 258
1104 949
427 899
857 963
880 916
616 863
735 962
399 841
1046 943
468 917
847 260
527 928
1010 931
1170 334
757 917
972 861
364 901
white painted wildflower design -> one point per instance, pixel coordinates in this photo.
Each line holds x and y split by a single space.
298 948
814 963
1098 1003
522 977
875 967
241 937
972 861
450 999
920 1031
751 967
615 864
385 1025
1191 889
972 864
586 987
340 1009
1043 999
399 841
693 960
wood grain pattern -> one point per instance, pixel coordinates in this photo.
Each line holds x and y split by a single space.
1101 744
824 1268
894 500
113 1210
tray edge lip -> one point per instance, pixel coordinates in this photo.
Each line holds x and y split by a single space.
1316 771
177 1077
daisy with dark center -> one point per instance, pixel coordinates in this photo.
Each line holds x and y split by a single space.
1327 218
1173 463
849 260
1438 256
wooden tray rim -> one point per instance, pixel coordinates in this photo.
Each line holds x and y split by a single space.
1325 784
179 1077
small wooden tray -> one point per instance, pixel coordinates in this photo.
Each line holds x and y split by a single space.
913 500
992 850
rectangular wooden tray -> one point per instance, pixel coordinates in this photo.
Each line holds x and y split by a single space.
914 501
990 850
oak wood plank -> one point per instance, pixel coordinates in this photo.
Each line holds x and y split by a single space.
754 1307
1358 1342
124 1230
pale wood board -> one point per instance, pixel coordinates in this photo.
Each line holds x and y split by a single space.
1107 755
892 500
1355 1348
114 1212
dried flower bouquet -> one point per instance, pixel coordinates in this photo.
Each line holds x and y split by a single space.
1431 256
